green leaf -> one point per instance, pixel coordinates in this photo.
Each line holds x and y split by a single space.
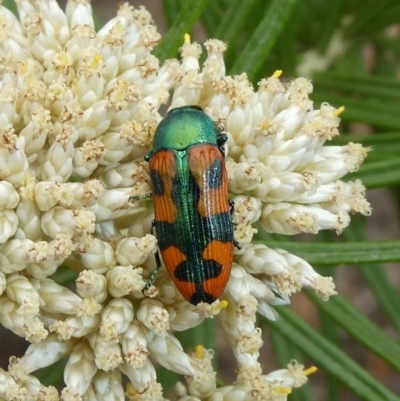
52 375
263 39
234 19
329 254
167 379
378 174
171 10
11 5
183 23
285 352
376 113
376 277
330 358
384 87
64 275
330 24
361 328
211 18
371 17
366 14
330 332
385 146
203 334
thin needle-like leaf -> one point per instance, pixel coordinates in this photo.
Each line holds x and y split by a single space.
183 23
264 38
361 328
331 358
328 254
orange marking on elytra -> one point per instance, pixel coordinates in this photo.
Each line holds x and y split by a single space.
222 253
165 164
212 200
173 257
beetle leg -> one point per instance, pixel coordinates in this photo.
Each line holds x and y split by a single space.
140 197
231 206
158 264
221 139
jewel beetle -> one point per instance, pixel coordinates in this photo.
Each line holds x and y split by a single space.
192 211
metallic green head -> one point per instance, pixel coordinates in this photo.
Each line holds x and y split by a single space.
183 127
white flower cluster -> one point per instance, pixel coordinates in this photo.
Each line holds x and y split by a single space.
78 110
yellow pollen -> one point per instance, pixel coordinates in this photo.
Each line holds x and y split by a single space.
130 390
310 370
28 179
187 38
339 111
23 68
282 390
95 62
199 351
277 73
223 304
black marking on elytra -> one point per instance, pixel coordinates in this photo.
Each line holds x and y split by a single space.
158 185
214 174
176 191
184 271
201 296
164 237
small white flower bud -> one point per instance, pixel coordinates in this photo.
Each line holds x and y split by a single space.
87 157
134 251
3 283
16 254
35 133
56 252
56 298
124 280
134 345
142 378
80 368
74 326
45 353
112 204
204 383
91 284
289 219
29 220
98 256
69 195
107 355
124 175
20 290
153 316
168 352
8 224
93 125
13 162
107 386
9 197
183 316
68 222
58 164
115 319
116 147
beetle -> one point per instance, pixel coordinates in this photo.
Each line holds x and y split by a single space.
192 211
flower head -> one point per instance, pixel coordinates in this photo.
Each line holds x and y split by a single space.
78 111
